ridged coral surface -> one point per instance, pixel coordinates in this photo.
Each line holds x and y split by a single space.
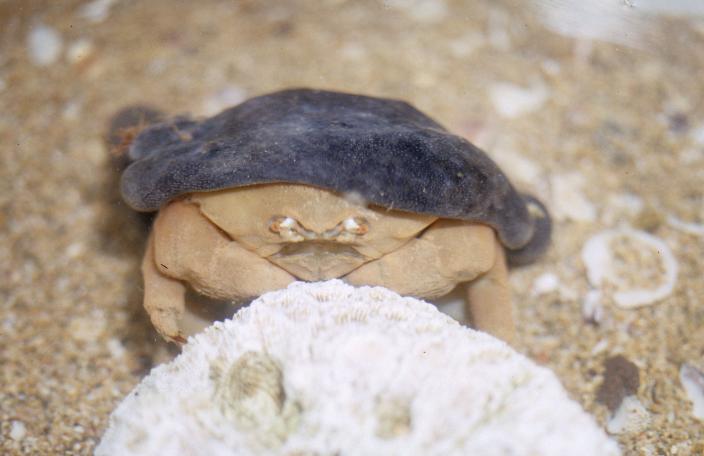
326 368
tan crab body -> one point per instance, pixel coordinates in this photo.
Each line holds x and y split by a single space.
237 244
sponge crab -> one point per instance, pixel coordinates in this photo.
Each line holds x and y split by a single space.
314 185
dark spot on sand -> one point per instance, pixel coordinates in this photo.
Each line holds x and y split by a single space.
621 379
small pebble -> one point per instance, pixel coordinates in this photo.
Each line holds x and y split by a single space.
18 431
600 347
353 51
72 110
683 448
551 67
545 283
115 347
157 66
426 11
466 44
621 379
516 165
697 135
79 51
497 33
75 250
631 417
649 219
621 207
97 10
8 324
44 44
512 101
685 8
592 307
676 122
648 450
568 199
691 155
224 98
87 328
692 380
605 20
424 79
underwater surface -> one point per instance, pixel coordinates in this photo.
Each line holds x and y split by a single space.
597 108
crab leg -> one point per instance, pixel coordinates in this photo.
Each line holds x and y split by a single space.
164 297
489 300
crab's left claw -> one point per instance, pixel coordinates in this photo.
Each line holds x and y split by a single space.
164 298
124 128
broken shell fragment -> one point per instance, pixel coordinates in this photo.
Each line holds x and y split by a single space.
568 199
686 227
692 380
633 267
630 417
512 101
325 368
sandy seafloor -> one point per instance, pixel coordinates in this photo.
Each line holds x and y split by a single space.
607 134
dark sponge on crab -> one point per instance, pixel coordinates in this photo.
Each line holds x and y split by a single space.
384 150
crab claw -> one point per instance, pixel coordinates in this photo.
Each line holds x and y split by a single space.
178 339
126 125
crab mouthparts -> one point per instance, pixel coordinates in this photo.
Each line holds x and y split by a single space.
318 260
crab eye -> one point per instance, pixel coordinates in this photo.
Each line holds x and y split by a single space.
286 227
355 225
281 223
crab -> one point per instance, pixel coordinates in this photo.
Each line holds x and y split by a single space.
313 185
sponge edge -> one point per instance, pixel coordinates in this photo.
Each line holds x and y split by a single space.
326 368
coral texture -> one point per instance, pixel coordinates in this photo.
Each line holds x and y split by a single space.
326 368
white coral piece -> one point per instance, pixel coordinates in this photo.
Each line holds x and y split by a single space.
325 368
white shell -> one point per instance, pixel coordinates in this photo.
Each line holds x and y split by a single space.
630 417
44 44
692 380
568 200
545 283
686 227
512 101
600 259
325 368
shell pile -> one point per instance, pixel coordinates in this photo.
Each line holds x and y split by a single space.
325 368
